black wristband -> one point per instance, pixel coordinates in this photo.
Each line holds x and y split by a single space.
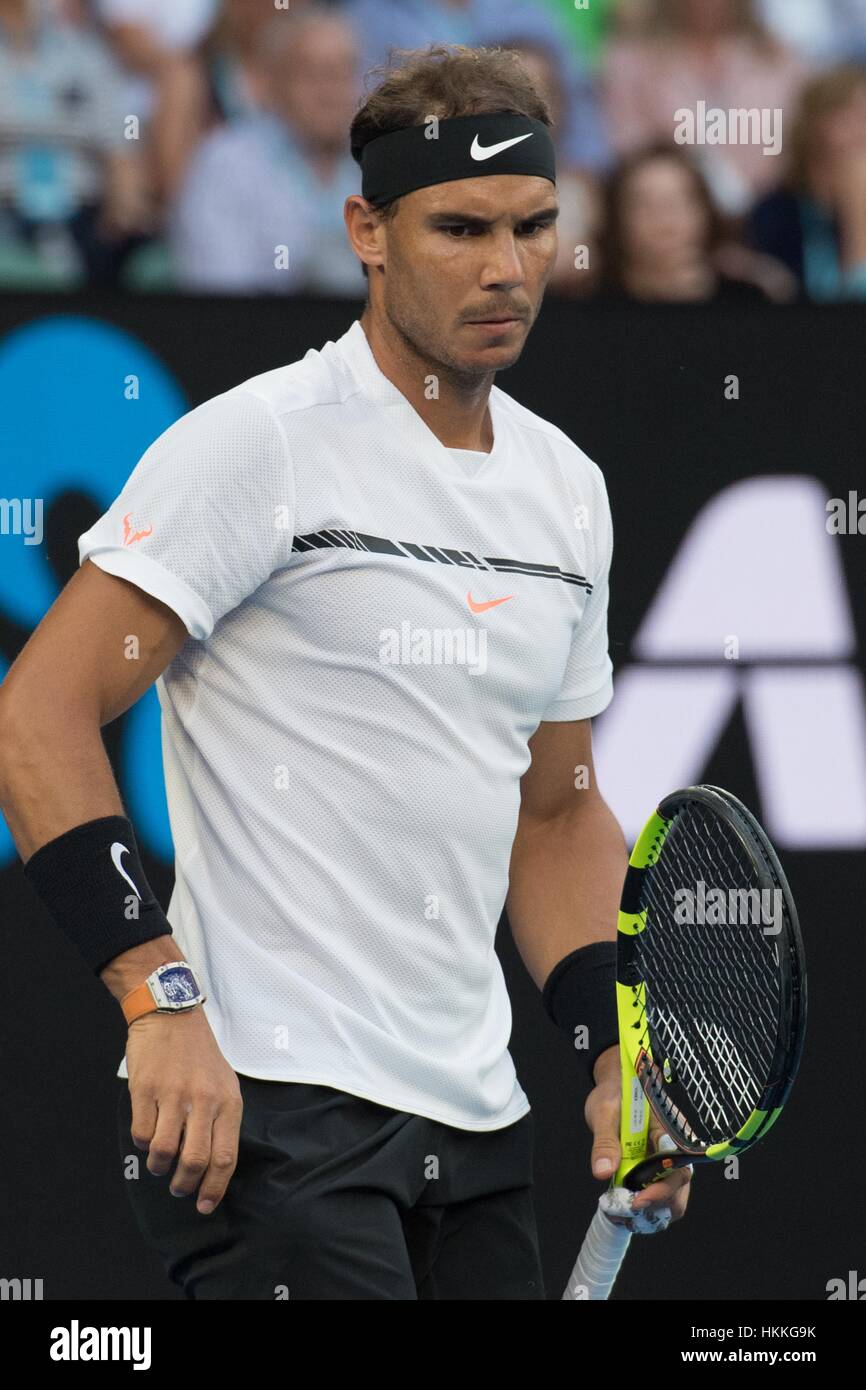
92 883
581 992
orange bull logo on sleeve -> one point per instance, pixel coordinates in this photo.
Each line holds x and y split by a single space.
129 535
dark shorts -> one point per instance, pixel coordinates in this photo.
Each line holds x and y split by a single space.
337 1197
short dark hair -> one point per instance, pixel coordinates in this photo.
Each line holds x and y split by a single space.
442 80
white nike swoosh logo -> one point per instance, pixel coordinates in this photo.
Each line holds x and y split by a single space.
479 151
117 849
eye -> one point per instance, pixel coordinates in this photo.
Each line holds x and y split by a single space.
456 229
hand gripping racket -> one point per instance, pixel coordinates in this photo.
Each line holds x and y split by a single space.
711 1001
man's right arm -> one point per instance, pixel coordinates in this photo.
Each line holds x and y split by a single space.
97 650
99 647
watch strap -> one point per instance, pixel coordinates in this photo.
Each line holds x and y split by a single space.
137 1002
150 997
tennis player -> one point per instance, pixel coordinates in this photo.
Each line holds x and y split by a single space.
372 589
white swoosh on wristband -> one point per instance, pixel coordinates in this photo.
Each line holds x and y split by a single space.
117 849
479 151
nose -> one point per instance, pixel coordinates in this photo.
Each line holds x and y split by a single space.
503 268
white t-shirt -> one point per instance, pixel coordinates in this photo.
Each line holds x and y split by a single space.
377 626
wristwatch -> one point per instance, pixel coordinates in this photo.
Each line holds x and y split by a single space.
169 989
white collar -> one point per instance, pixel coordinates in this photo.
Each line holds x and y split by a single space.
356 353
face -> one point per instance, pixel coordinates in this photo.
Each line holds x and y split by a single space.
313 82
243 15
460 254
843 131
663 218
707 17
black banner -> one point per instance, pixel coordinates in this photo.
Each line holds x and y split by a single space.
732 446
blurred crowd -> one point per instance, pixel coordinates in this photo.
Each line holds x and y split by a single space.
152 145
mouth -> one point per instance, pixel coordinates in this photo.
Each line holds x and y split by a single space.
497 321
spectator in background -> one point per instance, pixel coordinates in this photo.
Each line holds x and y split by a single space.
663 234
816 225
157 42
380 24
711 51
578 193
822 31
72 199
220 79
279 178
233 53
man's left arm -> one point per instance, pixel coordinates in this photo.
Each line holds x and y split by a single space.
568 863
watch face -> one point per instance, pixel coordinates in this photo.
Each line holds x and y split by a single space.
178 985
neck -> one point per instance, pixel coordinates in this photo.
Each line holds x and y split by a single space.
460 417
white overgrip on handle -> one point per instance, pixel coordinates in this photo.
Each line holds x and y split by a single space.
605 1243
601 1255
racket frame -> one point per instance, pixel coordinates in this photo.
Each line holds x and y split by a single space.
643 1085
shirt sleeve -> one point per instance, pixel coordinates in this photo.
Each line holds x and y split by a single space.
587 685
207 514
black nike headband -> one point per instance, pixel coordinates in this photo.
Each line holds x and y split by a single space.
459 147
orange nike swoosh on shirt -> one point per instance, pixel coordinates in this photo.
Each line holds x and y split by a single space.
482 607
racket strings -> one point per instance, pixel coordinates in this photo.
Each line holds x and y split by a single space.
729 1076
711 974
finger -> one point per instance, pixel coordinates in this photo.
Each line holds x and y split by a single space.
195 1149
663 1187
663 1193
679 1204
662 1143
675 1202
606 1151
224 1156
166 1140
143 1121
602 1116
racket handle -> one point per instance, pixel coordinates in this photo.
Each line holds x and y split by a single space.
598 1263
605 1244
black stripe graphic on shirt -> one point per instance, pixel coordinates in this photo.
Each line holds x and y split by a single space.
335 539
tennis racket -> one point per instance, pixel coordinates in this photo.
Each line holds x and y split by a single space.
711 1002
